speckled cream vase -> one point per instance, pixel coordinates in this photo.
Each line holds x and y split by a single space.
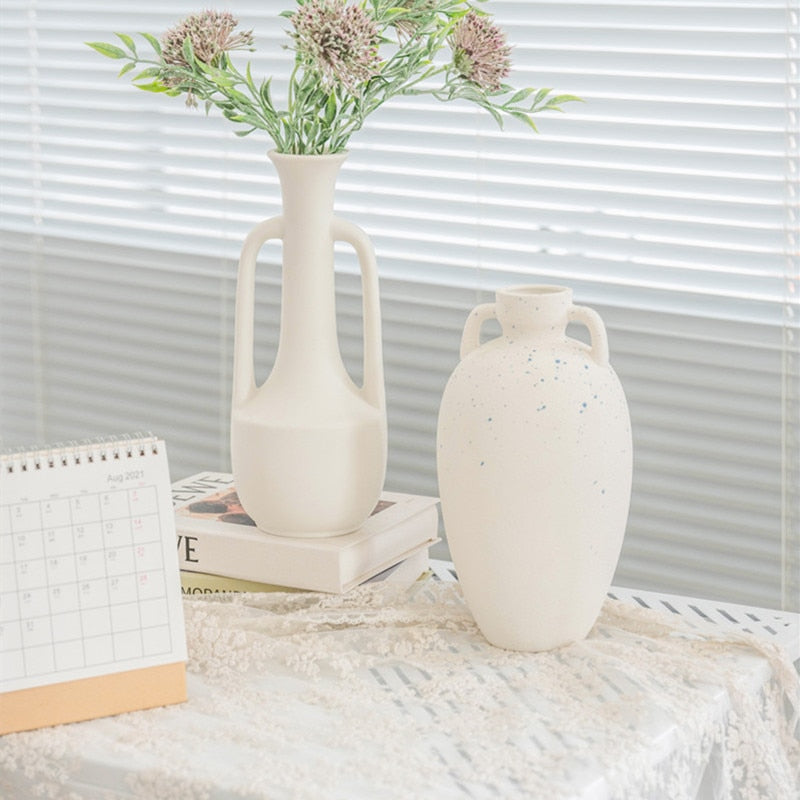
534 459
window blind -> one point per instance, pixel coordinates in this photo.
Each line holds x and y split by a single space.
668 200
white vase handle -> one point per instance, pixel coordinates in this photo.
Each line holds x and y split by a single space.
244 382
373 389
597 330
471 337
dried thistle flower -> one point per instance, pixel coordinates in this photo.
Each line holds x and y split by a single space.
480 52
211 35
339 78
339 40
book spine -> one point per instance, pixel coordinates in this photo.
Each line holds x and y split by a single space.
263 562
406 572
195 583
312 570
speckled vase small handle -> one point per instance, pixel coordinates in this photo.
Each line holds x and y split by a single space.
597 330
471 337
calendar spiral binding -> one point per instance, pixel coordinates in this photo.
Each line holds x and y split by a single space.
74 453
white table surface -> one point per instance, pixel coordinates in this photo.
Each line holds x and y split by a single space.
391 692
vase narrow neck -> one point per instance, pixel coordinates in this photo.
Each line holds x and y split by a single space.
308 185
542 310
308 339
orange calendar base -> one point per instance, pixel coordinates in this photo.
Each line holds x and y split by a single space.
88 698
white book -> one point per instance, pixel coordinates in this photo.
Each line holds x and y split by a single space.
216 536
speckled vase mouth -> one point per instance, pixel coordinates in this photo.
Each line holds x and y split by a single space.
533 306
535 289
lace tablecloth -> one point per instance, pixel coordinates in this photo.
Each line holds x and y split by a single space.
393 693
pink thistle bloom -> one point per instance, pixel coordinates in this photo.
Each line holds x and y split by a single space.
480 52
211 35
340 41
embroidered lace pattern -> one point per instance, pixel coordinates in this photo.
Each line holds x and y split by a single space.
393 693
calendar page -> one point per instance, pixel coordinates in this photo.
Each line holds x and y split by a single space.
89 581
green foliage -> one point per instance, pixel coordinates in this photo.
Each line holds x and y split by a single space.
321 116
109 50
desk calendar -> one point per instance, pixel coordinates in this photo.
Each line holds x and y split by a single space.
91 620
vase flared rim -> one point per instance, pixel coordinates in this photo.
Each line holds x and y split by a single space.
276 154
535 290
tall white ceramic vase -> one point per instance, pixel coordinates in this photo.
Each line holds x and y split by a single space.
308 446
534 461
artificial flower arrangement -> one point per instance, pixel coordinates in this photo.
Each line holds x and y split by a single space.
350 58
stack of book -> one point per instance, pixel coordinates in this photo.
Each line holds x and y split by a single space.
220 549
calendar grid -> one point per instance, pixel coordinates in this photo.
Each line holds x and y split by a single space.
82 582
80 621
138 609
91 615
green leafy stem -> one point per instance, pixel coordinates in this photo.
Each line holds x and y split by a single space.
319 118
